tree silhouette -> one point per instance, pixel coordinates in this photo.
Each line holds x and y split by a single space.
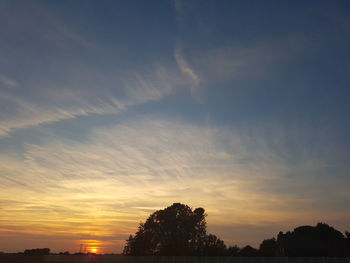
320 240
213 246
249 251
175 230
268 247
233 251
37 251
347 234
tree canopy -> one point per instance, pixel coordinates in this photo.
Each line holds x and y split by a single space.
319 240
175 230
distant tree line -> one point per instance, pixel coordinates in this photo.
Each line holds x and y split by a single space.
37 251
179 230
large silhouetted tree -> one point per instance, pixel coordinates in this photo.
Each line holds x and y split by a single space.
175 230
319 240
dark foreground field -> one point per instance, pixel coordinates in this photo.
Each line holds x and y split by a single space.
18 258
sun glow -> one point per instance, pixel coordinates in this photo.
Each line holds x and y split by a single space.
93 250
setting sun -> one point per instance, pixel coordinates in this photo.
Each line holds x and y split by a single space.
93 250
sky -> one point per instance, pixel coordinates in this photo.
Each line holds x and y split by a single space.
111 110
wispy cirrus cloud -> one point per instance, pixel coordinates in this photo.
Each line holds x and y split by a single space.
25 23
188 72
57 85
103 186
252 61
27 114
72 88
7 82
49 104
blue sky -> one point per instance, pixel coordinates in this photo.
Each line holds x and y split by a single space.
113 109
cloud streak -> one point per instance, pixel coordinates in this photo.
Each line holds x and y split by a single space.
61 86
189 72
103 186
7 82
50 105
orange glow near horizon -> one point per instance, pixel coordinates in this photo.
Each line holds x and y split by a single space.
93 250
94 246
